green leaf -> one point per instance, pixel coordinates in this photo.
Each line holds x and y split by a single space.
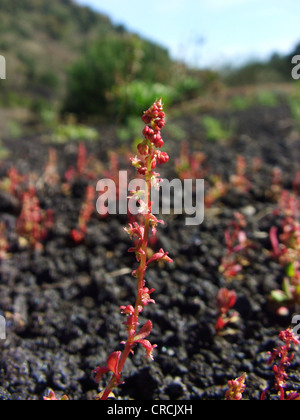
290 270
279 296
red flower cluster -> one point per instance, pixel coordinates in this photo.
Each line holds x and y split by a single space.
81 170
236 241
236 388
154 117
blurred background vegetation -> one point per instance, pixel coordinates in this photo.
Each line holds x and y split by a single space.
65 59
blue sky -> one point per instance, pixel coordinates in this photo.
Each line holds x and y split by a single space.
210 32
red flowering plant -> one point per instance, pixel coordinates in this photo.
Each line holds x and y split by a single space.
86 213
280 359
51 176
13 183
236 241
276 185
215 190
288 203
82 169
149 155
296 184
34 223
52 397
4 245
190 166
240 180
285 248
226 299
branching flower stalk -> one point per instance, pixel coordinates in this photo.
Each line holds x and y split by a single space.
280 359
148 157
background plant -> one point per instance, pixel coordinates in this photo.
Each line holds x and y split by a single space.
226 299
237 243
4 245
236 388
34 223
285 243
87 210
280 359
215 130
109 66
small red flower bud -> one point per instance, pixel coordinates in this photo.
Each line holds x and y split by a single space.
146 118
145 296
157 140
137 163
127 310
160 124
143 148
162 157
77 236
148 132
142 171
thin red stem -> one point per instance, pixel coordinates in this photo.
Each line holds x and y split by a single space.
140 284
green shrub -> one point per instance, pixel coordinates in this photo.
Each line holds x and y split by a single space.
111 70
132 98
215 130
64 133
241 102
267 98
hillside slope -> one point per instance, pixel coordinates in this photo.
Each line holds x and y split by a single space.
39 41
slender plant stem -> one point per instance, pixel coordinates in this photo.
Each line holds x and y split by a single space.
140 284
